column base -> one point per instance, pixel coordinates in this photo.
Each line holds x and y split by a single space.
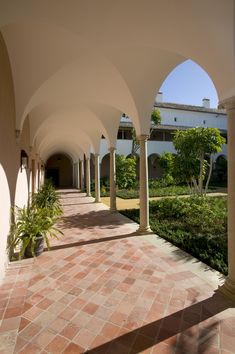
228 289
97 201
144 230
113 210
88 194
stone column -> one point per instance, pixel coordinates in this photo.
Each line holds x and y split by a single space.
112 179
42 174
228 288
77 175
144 192
82 175
88 177
74 178
33 176
97 178
39 175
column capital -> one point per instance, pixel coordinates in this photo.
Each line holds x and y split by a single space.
112 149
97 155
228 103
143 137
87 158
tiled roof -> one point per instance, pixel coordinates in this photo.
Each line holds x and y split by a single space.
189 107
164 127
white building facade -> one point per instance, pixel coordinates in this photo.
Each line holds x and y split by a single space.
174 117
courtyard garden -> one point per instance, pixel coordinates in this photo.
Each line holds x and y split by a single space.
196 225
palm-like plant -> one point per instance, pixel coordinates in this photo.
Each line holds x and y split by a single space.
33 225
48 198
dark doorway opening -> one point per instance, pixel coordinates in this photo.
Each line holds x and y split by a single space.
53 174
59 169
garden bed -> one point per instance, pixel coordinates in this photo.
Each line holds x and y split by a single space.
153 192
196 225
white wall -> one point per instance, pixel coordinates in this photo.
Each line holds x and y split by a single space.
21 194
193 119
5 204
154 147
13 187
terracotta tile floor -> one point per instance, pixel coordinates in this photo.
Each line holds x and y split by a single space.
102 289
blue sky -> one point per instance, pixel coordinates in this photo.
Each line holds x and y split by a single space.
188 83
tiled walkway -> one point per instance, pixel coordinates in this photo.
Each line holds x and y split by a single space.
102 289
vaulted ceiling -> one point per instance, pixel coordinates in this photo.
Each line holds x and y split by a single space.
77 65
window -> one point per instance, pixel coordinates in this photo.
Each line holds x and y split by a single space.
119 134
156 135
168 136
127 134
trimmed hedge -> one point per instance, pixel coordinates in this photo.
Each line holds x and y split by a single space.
155 192
196 225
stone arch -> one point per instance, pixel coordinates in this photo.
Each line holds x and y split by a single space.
175 75
59 167
104 166
154 169
221 168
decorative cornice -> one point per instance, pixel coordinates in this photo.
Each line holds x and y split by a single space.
184 107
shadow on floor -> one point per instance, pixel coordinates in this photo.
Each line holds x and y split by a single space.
88 242
181 327
92 219
186 257
69 191
77 204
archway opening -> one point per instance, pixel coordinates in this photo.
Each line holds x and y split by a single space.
21 192
154 169
59 169
188 83
104 168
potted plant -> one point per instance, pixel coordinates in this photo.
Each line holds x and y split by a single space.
33 227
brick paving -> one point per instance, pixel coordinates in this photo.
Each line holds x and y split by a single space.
103 289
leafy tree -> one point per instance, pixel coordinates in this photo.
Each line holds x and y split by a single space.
125 171
166 162
155 119
192 146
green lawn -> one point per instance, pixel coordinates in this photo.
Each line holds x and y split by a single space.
153 192
196 225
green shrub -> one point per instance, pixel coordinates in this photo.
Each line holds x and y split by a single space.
47 198
125 171
196 225
154 191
